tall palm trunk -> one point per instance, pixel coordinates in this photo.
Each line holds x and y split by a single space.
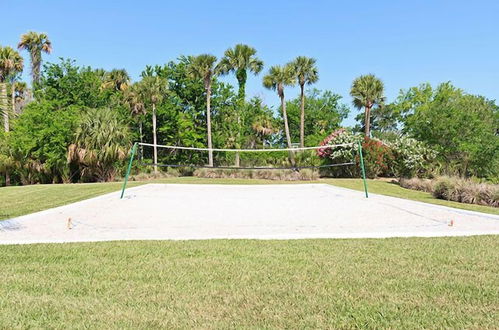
141 154
238 135
36 56
4 104
241 76
208 123
286 129
154 138
13 97
302 116
367 121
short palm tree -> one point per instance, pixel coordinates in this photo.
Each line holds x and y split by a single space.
276 79
35 43
11 63
136 105
101 140
19 91
367 92
240 60
263 126
152 91
305 72
116 79
204 67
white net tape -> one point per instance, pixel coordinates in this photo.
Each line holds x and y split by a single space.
248 150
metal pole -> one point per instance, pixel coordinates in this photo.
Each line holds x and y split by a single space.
363 170
134 149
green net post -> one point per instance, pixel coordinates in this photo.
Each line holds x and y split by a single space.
132 155
362 168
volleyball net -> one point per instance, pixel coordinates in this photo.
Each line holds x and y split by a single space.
161 157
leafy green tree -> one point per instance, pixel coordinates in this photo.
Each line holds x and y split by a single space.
462 128
65 84
11 63
152 90
306 72
240 60
325 112
276 79
367 92
35 43
385 121
101 141
182 116
204 67
39 141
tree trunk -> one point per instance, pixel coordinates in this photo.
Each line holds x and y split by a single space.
208 124
7 178
286 130
367 121
141 154
238 135
154 138
14 112
238 160
4 104
302 117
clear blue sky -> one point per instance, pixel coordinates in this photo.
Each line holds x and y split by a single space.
403 42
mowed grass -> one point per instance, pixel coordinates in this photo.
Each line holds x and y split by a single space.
16 201
371 283
20 200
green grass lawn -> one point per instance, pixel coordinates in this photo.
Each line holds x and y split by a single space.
16 201
371 283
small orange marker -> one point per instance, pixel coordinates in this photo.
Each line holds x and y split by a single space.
451 223
70 223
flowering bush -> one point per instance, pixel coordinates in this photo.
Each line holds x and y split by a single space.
411 157
378 156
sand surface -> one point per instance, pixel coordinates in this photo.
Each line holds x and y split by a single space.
188 211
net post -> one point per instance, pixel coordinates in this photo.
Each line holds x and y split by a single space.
132 155
362 168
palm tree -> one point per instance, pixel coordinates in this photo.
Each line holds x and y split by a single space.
203 67
305 72
101 140
240 60
35 43
276 79
116 79
136 105
263 126
367 92
11 63
152 90
19 91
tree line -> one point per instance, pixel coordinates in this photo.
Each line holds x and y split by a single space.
77 123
